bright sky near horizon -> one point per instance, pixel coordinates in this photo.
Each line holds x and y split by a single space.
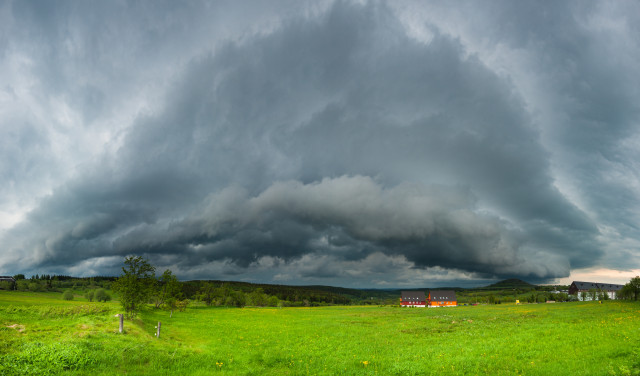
347 143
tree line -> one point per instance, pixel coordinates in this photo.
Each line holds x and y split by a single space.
138 286
210 293
630 290
56 283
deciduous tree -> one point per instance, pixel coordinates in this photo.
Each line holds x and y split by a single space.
135 285
631 290
101 296
207 293
169 290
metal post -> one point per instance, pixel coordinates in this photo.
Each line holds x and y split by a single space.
158 332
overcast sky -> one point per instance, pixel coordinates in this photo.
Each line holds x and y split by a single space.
347 143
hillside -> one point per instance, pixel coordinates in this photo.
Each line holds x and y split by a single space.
314 294
509 284
289 294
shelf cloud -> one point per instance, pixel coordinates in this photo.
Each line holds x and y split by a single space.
345 143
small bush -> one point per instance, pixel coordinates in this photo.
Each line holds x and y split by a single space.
35 286
68 295
102 296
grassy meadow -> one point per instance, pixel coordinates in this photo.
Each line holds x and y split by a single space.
42 334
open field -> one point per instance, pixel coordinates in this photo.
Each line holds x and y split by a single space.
42 334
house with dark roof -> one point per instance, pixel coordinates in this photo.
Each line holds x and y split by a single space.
442 298
413 299
10 282
584 290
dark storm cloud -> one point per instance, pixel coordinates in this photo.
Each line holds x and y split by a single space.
332 138
583 55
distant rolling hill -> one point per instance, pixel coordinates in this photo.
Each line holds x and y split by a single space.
359 295
341 295
510 284
366 294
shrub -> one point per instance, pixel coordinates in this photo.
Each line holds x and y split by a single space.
182 304
22 285
35 286
89 295
68 295
101 296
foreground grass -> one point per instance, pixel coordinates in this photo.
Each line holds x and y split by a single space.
40 333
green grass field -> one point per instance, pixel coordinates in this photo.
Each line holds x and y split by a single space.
42 334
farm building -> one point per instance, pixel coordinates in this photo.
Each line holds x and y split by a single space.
7 283
584 290
442 298
413 299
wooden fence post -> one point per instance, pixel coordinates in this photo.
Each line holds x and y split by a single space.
121 322
158 332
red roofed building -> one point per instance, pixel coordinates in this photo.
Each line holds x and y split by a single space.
413 299
442 298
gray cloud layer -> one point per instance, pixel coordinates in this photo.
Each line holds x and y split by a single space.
323 144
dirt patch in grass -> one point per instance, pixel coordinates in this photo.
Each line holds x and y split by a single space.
83 330
18 327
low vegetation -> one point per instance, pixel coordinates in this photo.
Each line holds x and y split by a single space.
167 292
40 333
71 327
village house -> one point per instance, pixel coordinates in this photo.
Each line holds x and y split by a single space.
584 290
442 298
413 299
7 282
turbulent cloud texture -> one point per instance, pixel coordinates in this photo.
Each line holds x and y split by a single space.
348 143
